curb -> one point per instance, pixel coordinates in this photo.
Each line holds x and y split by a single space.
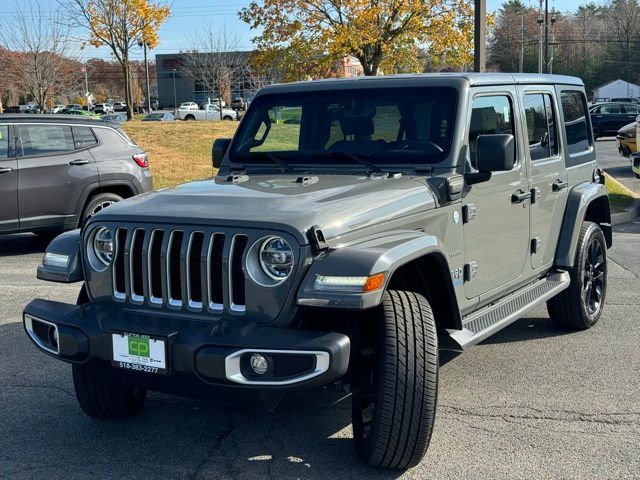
628 215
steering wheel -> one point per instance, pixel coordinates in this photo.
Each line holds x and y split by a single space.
405 144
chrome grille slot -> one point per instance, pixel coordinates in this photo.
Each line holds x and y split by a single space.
119 265
174 284
194 270
155 267
236 273
135 266
215 276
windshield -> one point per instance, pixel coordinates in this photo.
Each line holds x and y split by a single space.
387 126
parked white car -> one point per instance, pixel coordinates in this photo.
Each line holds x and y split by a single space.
57 108
210 112
103 108
188 106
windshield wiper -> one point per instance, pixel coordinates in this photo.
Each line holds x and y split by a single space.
274 158
357 158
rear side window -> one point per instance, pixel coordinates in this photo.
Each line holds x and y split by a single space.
574 110
489 115
44 139
83 137
541 126
4 141
630 109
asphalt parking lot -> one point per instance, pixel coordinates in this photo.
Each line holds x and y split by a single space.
530 402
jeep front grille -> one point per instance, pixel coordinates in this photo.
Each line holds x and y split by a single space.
194 270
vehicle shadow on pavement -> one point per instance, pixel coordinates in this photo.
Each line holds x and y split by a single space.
22 244
43 432
526 329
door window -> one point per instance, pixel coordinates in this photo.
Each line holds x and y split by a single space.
574 110
83 137
489 115
541 126
610 109
44 139
630 108
4 141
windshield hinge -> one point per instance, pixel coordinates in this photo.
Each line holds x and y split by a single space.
237 177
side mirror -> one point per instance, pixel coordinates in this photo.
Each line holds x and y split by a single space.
220 147
495 153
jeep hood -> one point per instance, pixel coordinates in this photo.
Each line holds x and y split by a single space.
338 204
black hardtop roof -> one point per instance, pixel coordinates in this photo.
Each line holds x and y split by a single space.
51 118
424 80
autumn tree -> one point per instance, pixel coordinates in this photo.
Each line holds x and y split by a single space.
120 25
40 45
376 32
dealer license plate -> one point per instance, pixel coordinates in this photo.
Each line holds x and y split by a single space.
141 353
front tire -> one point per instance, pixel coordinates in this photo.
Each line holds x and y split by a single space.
394 401
580 305
100 400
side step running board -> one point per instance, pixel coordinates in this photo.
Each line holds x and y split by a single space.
485 322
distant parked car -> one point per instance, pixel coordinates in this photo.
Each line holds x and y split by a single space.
68 170
14 109
159 117
119 106
608 118
626 140
114 117
239 103
188 106
211 112
57 108
624 99
73 106
155 105
82 113
103 108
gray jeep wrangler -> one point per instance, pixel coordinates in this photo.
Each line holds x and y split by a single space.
354 228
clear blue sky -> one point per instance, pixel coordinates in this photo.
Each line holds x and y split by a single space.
188 16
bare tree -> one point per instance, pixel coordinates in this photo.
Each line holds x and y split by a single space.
43 45
213 61
623 17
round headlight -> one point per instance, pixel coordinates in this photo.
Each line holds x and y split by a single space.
103 245
276 258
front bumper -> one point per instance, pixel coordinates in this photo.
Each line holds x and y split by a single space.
201 355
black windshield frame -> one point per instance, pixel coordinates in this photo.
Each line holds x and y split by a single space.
423 116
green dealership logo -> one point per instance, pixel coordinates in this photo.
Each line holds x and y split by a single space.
139 346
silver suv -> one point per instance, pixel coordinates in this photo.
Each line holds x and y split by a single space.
57 170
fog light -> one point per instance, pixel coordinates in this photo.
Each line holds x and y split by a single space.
258 364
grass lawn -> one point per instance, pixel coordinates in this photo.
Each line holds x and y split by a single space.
620 197
178 151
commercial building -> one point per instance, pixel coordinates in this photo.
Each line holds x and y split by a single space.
176 86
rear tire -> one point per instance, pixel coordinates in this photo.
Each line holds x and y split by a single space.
98 203
580 306
227 118
394 401
100 400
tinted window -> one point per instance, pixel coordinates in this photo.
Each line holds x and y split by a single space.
386 126
43 139
489 115
83 137
4 141
541 126
574 110
610 109
630 108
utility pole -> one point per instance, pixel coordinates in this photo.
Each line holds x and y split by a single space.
540 23
479 36
175 102
521 42
546 36
554 18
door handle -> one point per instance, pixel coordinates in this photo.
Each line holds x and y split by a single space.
559 185
79 161
5 170
520 196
